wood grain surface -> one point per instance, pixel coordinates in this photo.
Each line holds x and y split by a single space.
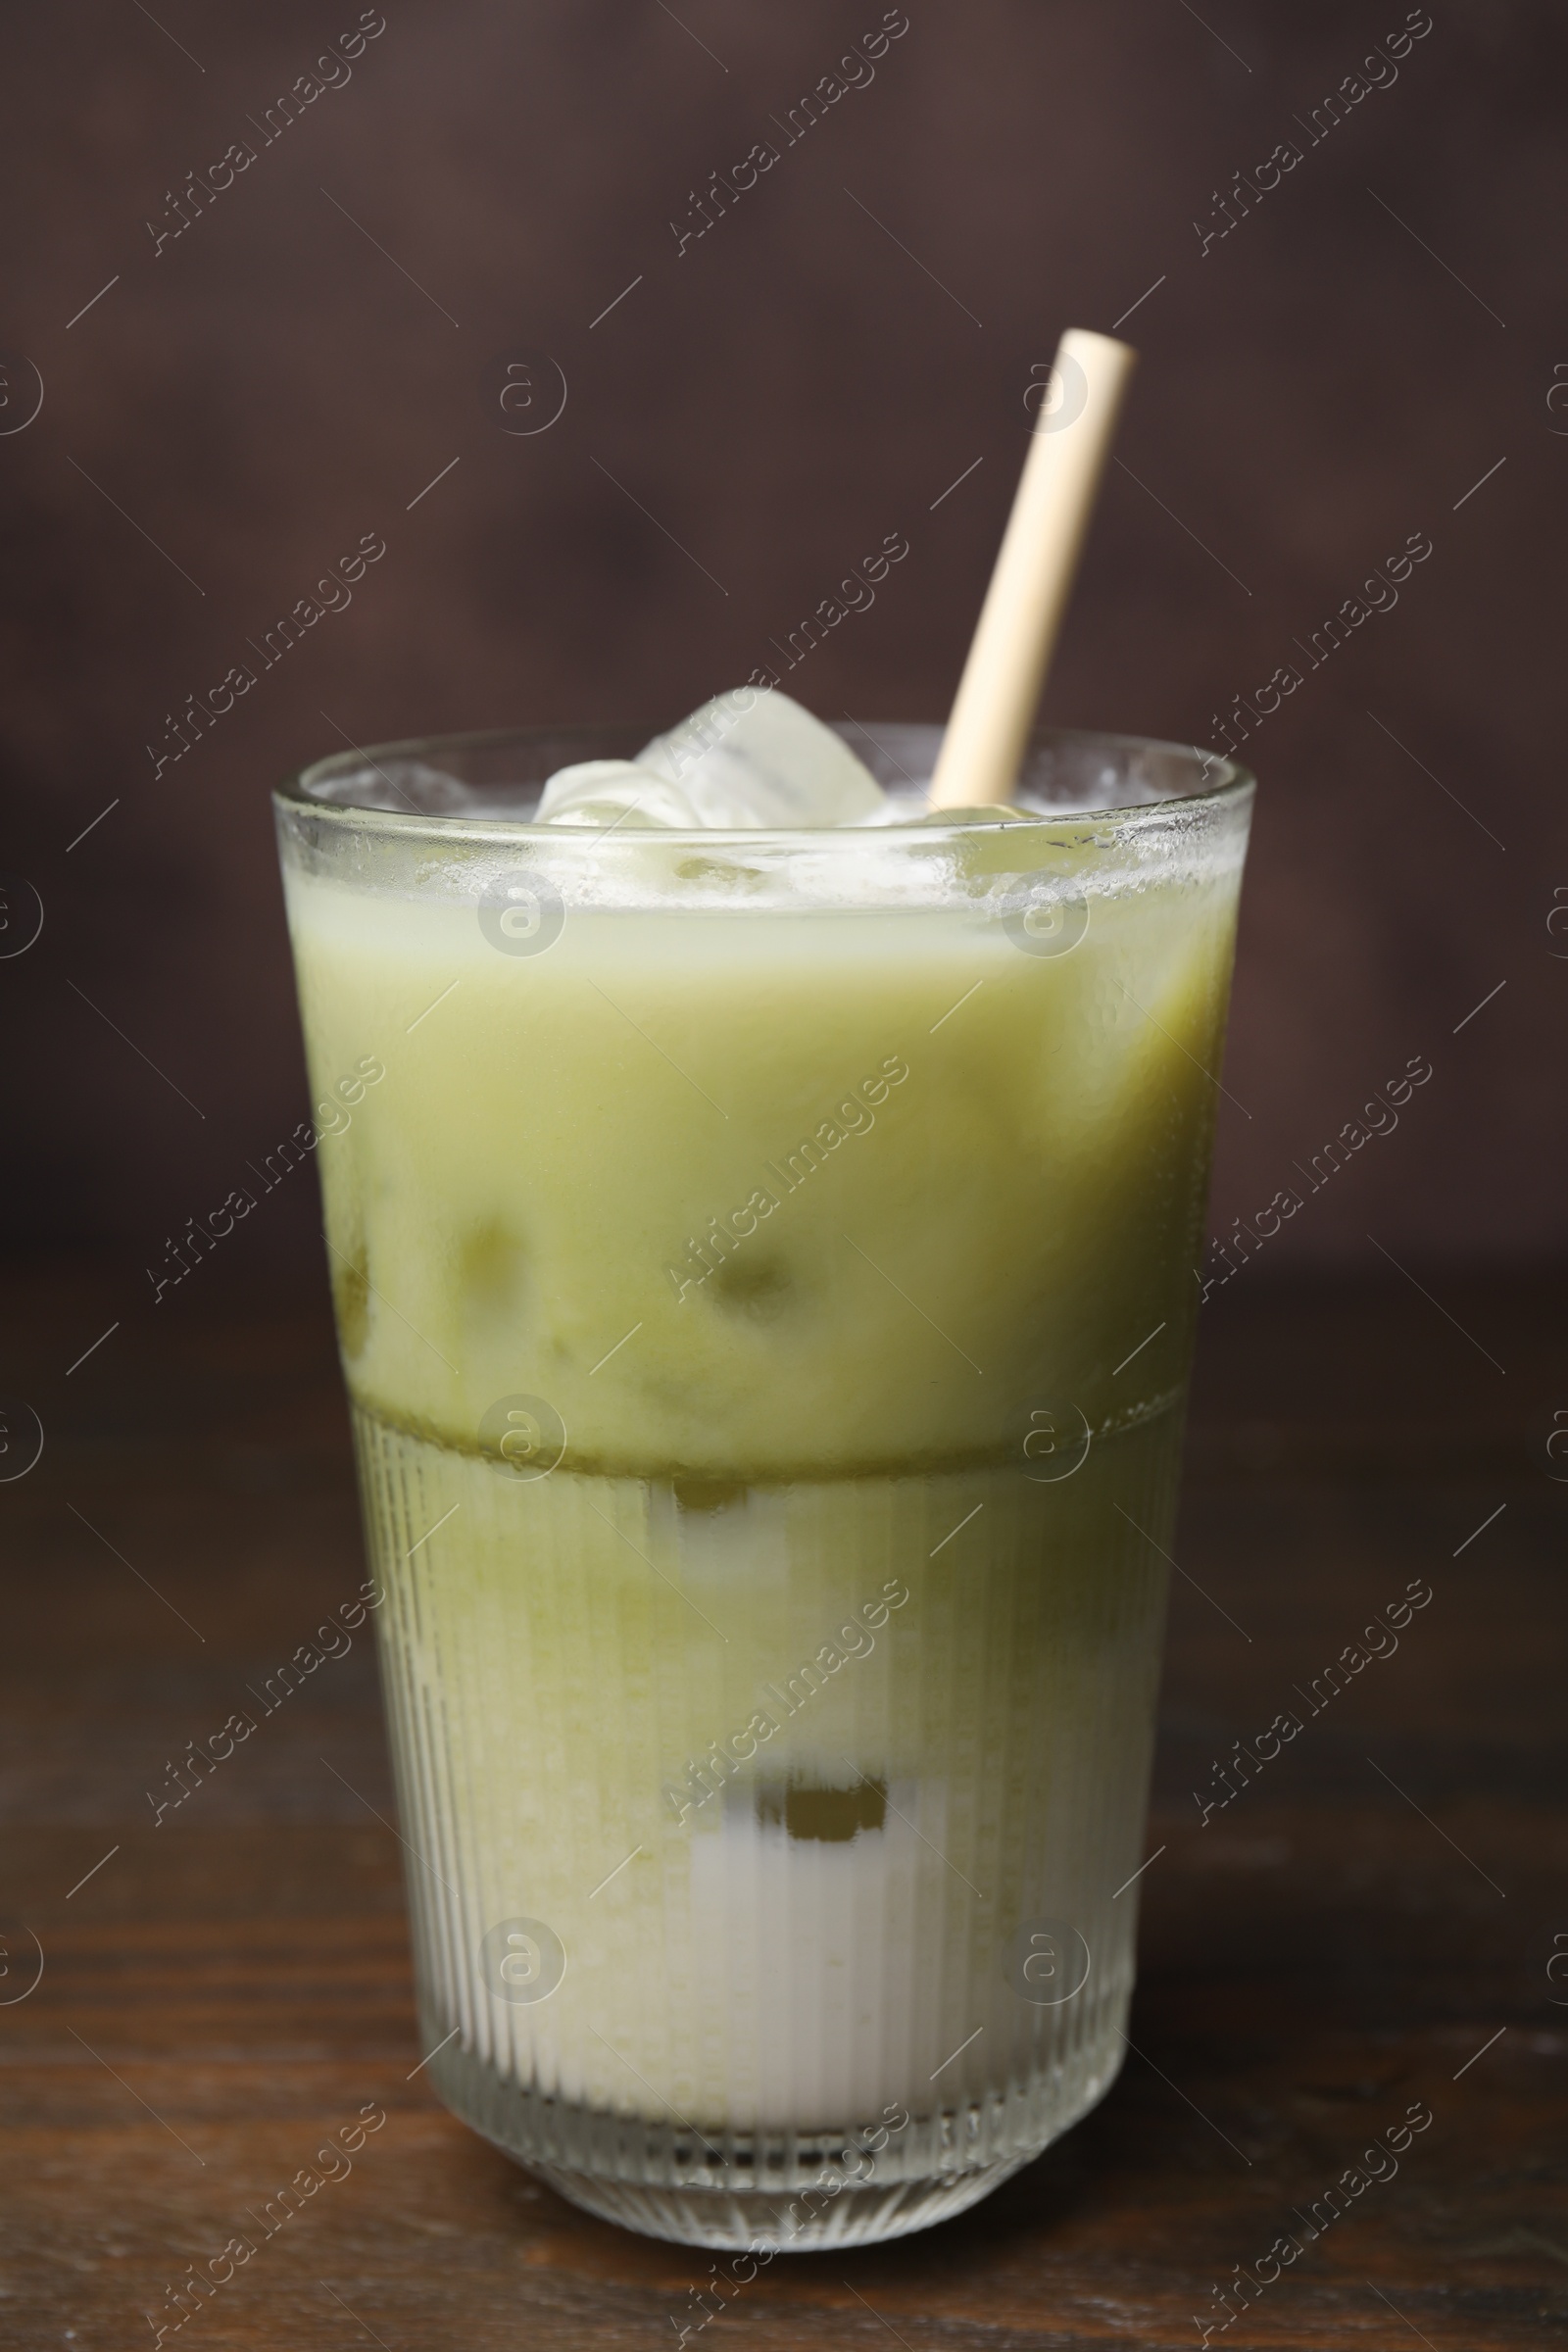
1366 1928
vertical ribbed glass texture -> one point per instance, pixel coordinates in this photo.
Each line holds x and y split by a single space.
765 1277
827 1827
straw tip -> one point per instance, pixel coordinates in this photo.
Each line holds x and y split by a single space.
1085 343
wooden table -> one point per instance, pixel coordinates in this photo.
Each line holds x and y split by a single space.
1365 1929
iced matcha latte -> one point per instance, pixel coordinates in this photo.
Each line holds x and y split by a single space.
765 1273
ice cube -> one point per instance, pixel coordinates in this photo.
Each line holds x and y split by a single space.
752 756
607 792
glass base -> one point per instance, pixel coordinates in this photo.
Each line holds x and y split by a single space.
751 2219
782 2192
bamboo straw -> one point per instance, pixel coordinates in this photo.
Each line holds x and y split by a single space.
999 691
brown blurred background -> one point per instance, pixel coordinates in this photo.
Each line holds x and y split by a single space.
326 337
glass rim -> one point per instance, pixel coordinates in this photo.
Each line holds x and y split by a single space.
302 792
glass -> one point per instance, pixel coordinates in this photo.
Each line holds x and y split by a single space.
765 1273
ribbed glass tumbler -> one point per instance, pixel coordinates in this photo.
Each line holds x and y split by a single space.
764 1271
